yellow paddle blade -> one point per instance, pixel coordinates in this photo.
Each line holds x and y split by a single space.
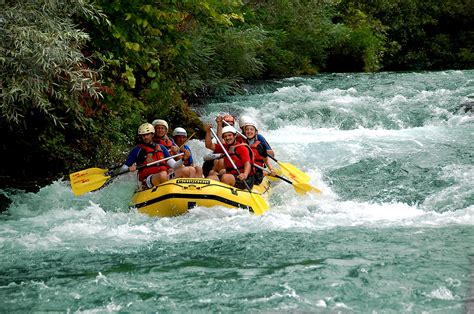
294 173
259 205
302 188
86 172
88 183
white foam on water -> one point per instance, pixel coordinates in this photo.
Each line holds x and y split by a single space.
456 195
441 293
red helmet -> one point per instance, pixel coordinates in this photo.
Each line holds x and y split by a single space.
229 118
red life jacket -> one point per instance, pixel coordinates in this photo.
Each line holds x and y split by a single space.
153 153
240 139
239 163
166 142
258 159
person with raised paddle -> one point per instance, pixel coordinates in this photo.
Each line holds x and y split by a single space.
242 175
180 137
259 151
147 152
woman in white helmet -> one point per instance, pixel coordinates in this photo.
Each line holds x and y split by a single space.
180 136
250 130
241 156
147 152
246 120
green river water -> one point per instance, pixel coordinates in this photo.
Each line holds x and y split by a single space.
392 232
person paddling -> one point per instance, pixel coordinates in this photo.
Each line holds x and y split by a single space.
241 155
180 137
259 151
146 152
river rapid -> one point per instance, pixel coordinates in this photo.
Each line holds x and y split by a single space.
393 230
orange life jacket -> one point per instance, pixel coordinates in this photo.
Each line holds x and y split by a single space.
153 152
258 159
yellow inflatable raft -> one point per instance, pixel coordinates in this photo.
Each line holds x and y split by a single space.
177 196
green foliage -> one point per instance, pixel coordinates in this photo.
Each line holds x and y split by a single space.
300 32
359 42
42 64
422 34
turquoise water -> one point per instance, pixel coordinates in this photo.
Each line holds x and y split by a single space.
393 230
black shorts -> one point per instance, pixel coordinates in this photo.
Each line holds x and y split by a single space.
258 176
241 185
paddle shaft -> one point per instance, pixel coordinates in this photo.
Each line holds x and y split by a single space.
149 164
276 176
187 140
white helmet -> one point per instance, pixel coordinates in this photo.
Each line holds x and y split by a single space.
160 122
228 129
248 121
180 131
243 121
146 128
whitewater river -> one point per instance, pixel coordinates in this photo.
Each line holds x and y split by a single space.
392 232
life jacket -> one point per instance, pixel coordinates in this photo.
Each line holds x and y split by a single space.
258 159
239 163
153 152
166 142
240 139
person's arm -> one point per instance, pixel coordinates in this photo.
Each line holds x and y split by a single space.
170 162
264 153
132 159
208 139
265 144
190 159
219 126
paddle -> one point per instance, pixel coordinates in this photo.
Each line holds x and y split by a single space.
259 206
93 180
82 173
300 188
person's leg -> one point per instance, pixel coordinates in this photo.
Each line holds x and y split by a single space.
182 172
228 179
159 177
213 177
198 170
219 165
